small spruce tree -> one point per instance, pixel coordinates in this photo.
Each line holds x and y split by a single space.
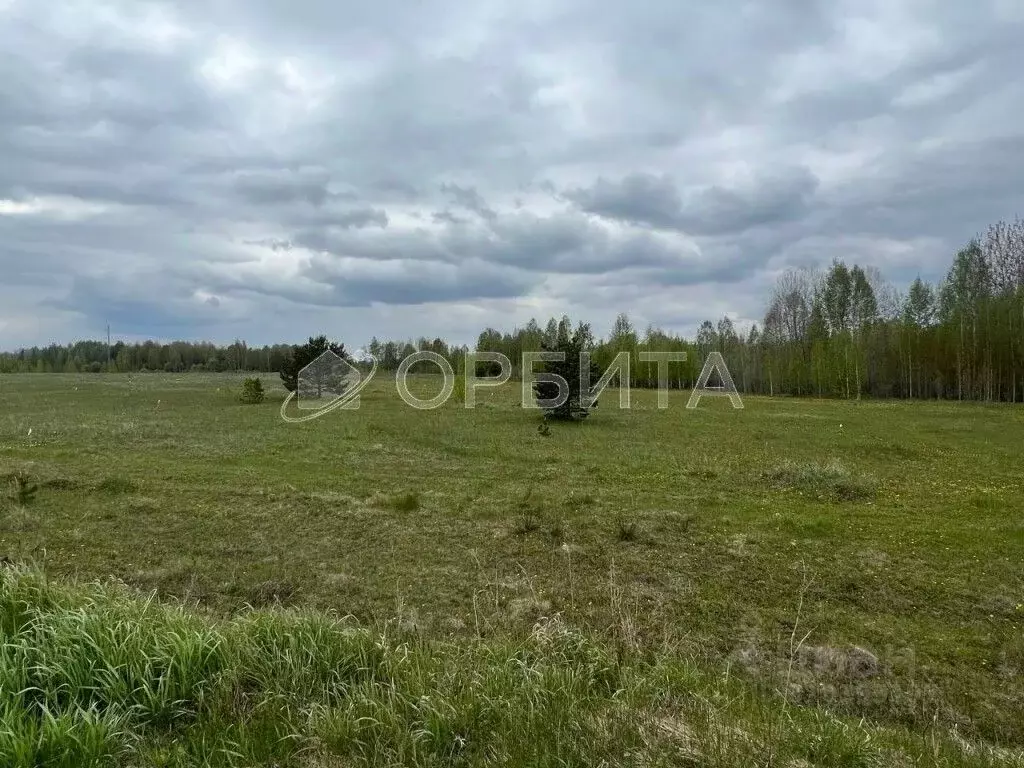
252 391
577 406
459 387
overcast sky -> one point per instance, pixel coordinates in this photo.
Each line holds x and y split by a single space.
269 169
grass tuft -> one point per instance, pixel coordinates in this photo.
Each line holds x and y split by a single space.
579 501
557 531
23 489
271 592
526 524
627 530
405 502
117 484
831 480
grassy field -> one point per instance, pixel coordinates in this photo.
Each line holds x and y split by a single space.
828 582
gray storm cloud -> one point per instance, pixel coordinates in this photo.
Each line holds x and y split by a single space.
256 168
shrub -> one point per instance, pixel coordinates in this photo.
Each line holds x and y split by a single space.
252 391
459 390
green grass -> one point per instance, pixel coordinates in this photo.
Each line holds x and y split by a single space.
697 548
94 676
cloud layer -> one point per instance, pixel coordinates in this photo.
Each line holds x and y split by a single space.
268 170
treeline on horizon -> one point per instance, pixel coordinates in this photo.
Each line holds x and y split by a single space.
845 332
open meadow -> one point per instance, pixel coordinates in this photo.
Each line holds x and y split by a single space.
800 582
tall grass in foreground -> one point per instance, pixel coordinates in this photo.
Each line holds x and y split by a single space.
96 676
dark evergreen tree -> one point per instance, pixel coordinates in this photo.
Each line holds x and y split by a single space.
303 355
252 391
580 401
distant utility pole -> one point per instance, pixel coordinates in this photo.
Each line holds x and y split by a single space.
108 347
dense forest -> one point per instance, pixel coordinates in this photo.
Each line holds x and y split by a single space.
844 332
